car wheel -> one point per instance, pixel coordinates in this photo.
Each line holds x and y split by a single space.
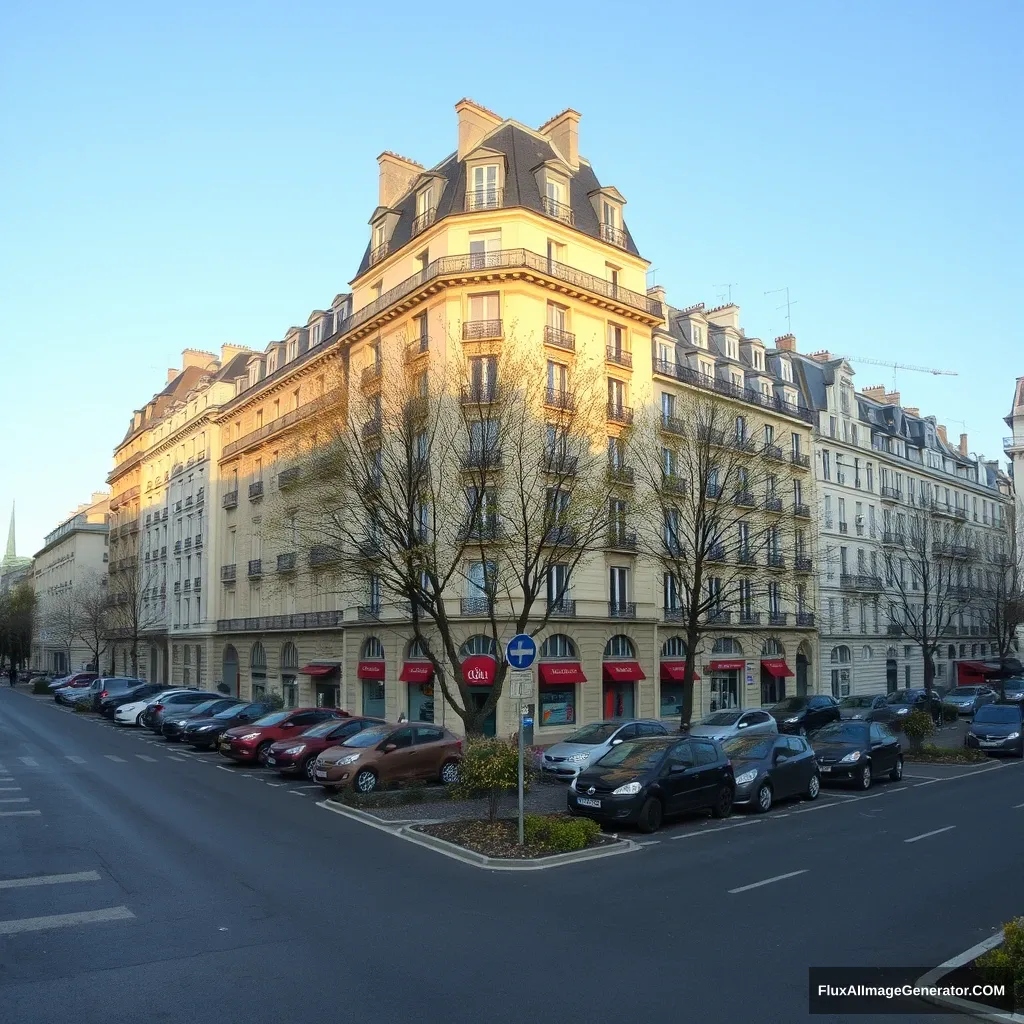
764 798
864 779
308 766
138 719
722 807
366 781
450 773
813 787
897 773
650 816
263 752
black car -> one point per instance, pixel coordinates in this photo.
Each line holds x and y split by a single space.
997 729
770 768
173 725
110 703
857 752
640 782
173 704
109 686
204 733
804 714
867 707
902 702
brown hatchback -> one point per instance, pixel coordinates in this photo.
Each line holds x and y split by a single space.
384 754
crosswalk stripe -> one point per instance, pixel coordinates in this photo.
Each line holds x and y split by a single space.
14 800
38 924
16 814
29 762
114 757
77 876
7 779
10 789
146 757
74 759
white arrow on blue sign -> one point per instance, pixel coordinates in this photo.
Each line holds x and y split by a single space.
521 651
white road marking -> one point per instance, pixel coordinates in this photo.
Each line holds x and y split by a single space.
926 835
225 768
38 924
1017 807
931 782
174 757
277 783
30 762
721 828
15 814
146 757
10 789
77 876
296 792
768 881
7 779
14 800
74 759
114 757
650 842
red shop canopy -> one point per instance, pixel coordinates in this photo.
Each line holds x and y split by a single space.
554 673
726 666
478 670
674 671
622 671
370 670
416 672
776 667
318 670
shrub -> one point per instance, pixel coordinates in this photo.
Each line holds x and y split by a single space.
41 686
84 706
560 835
918 726
949 712
275 700
489 768
1005 963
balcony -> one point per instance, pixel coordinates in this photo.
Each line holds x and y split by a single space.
622 609
286 562
197 584
177 547
230 500
773 504
301 620
620 413
484 199
800 461
746 557
323 554
417 347
481 330
674 485
749 618
619 356
256 490
672 425
954 511
805 619
890 493
477 604
177 506
371 428
944 550
1013 444
620 539
859 581
557 210
557 338
776 561
133 526
894 629
177 588
563 608
480 394
369 547
255 568
844 527
478 531
163 552
371 374
368 612
803 564
561 535
287 478
778 618
716 553
188 501
198 542
377 254
556 399
423 220
621 475
561 464
719 618
891 538
480 460
745 499
283 421
187 586
713 491
613 235
802 511
673 614
228 573
186 544
772 451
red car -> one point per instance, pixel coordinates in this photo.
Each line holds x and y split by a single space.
296 755
252 743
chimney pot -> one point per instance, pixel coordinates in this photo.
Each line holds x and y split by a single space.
941 431
963 445
787 343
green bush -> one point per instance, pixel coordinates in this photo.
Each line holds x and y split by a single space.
918 726
85 707
560 835
489 768
41 686
949 712
1005 963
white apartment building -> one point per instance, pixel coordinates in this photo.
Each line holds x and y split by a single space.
1014 448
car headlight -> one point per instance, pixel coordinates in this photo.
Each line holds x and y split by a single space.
294 750
578 758
203 728
629 789
854 755
348 759
1014 736
742 780
250 736
903 711
791 721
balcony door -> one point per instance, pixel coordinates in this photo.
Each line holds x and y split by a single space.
484 187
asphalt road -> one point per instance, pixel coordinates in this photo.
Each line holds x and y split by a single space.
197 890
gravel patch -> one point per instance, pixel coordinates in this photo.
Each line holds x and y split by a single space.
541 799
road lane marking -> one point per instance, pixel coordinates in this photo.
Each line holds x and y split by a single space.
114 757
174 757
74 759
720 828
650 842
146 757
1017 807
296 792
77 876
29 762
768 881
38 924
277 783
927 835
10 789
7 779
16 814
14 800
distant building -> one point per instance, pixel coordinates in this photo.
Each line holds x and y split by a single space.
12 568
1014 448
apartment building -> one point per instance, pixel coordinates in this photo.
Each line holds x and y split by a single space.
877 464
1014 448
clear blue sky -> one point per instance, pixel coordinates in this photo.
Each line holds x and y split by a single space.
188 174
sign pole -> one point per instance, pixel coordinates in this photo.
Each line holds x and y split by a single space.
520 653
519 708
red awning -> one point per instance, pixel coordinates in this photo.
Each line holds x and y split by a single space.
726 666
622 671
673 671
552 673
370 670
478 670
776 667
416 672
318 670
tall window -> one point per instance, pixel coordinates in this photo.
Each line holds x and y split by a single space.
482 244
616 394
557 583
670 593
745 599
558 378
484 188
483 377
616 340
616 452
774 598
618 587
484 307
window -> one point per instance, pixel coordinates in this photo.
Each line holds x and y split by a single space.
795 442
616 341
556 316
618 587
619 647
741 429
826 464
841 657
483 377
670 593
558 379
484 307
483 194
557 705
480 244
482 578
616 395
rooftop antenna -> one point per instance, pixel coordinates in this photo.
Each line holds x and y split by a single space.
901 366
729 285
787 306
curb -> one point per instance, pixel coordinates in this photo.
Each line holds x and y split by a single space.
365 818
979 1011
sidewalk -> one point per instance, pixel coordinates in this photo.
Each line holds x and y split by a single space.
949 734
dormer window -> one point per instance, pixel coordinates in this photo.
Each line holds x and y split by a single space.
611 224
786 370
272 362
732 348
292 349
254 373
555 200
316 333
757 357
698 336
483 193
426 209
379 242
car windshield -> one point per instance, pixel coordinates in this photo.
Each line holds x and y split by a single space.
997 713
965 691
791 704
205 706
589 735
233 711
899 697
275 719
856 702
322 729
368 737
722 718
636 756
843 732
747 748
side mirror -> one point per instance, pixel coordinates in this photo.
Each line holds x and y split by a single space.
388 747
616 742
776 756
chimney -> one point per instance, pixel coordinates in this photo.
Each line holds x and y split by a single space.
963 445
787 343
822 356
397 173
172 373
941 431
197 357
474 123
891 398
912 410
228 352
657 292
563 132
876 393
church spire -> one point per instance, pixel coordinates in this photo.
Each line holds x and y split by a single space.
11 555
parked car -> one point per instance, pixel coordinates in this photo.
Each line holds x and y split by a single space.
721 725
641 782
867 707
902 702
772 768
387 753
588 745
173 725
253 742
156 710
132 714
144 691
804 714
1014 690
104 686
298 755
857 752
71 691
997 729
967 699
204 733
77 679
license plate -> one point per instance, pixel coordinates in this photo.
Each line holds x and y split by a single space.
990 743
320 773
824 767
587 801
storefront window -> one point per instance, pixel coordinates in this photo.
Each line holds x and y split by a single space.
725 691
373 698
557 705
421 702
290 691
619 700
671 700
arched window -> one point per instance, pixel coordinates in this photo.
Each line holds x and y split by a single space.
840 655
478 644
772 649
841 676
674 647
619 646
289 680
866 653
558 646
726 645
289 657
373 648
258 658
417 649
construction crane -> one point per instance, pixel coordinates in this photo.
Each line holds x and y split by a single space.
901 366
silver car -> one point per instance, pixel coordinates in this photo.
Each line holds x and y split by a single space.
723 725
588 745
967 699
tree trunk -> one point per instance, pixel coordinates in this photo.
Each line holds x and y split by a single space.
929 681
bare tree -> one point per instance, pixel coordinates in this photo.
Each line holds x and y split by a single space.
1000 594
135 604
465 500
93 618
17 614
60 621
